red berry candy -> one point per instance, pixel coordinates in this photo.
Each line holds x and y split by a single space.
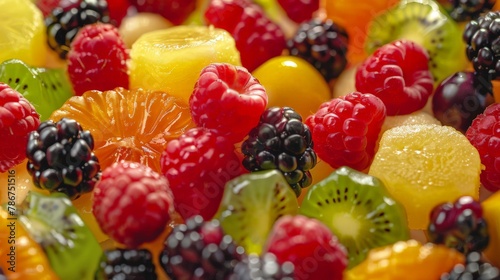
299 10
312 248
484 134
258 39
132 203
229 99
198 164
17 119
97 59
345 129
398 73
175 11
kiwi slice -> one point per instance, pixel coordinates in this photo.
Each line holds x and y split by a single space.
53 222
47 89
426 23
358 210
251 204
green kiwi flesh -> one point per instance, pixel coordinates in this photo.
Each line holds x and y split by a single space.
53 222
358 210
46 89
426 23
251 204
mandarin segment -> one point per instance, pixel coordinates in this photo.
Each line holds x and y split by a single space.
133 125
399 260
424 165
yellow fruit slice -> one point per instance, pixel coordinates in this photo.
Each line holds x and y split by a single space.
293 82
491 212
424 165
171 59
21 258
22 32
418 117
406 260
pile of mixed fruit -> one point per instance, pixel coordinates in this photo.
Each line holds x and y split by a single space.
249 139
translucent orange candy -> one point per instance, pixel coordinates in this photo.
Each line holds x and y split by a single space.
128 125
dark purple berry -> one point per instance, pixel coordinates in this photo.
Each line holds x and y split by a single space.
200 250
482 37
128 264
323 44
265 267
281 141
473 269
460 98
463 10
60 158
459 225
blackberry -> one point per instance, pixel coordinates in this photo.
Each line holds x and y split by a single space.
474 269
262 268
60 158
463 10
460 225
121 264
200 250
323 44
64 23
483 44
281 141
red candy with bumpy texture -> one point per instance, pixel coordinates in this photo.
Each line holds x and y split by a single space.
258 39
312 248
299 10
132 203
17 119
228 99
198 164
345 130
398 73
484 134
98 59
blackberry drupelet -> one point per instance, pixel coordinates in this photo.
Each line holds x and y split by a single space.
483 44
64 23
120 264
262 268
200 250
460 225
474 269
281 141
461 10
60 158
323 44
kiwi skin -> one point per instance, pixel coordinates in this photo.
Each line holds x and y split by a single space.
426 23
47 89
251 204
358 210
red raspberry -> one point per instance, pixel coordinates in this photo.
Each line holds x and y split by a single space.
299 10
258 39
345 129
229 99
176 11
398 73
17 119
310 245
132 203
198 164
484 134
97 59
